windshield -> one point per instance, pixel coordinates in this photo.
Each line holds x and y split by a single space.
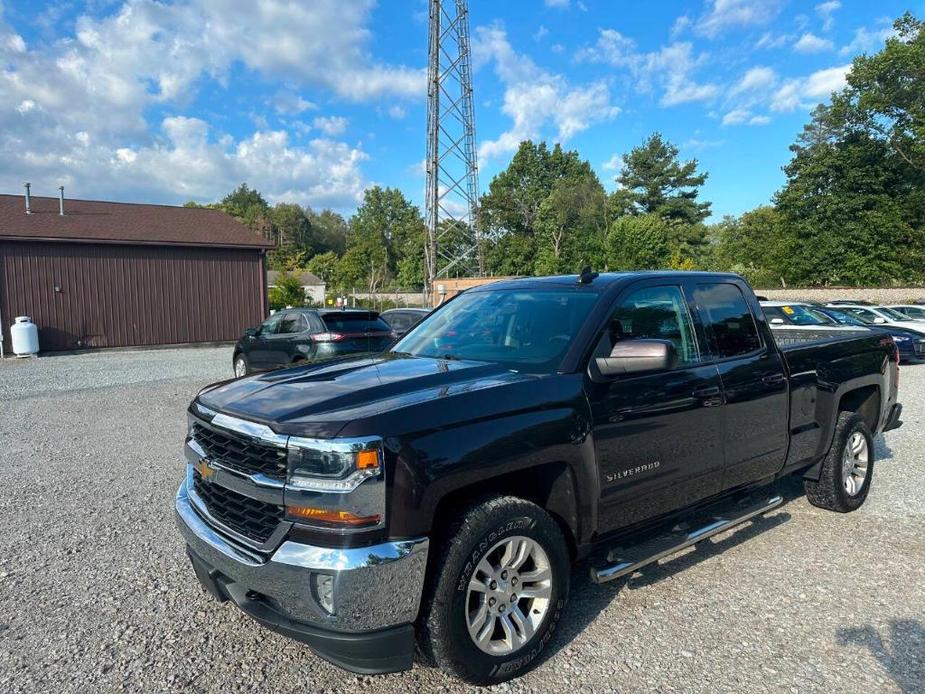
912 311
842 317
892 314
526 331
796 315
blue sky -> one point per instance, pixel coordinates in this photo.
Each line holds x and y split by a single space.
312 102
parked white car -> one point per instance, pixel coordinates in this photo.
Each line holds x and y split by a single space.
913 311
881 315
796 315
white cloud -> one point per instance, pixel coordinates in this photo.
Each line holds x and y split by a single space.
727 14
615 163
397 111
671 67
292 104
771 40
560 4
681 24
810 43
868 40
535 98
755 79
736 116
540 33
187 162
74 109
331 125
743 116
826 10
808 91
698 145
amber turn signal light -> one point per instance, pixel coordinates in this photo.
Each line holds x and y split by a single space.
333 517
367 460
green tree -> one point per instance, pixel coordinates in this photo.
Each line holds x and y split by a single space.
853 206
638 243
852 210
287 292
292 226
569 226
387 220
654 181
324 265
756 244
247 205
328 231
512 205
885 95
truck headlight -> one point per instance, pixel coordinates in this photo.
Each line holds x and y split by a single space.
336 483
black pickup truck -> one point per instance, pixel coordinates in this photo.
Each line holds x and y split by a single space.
443 489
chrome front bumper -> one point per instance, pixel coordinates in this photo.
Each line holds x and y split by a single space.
374 588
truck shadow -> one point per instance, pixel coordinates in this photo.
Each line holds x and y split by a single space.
588 599
903 657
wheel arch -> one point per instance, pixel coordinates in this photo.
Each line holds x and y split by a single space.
551 486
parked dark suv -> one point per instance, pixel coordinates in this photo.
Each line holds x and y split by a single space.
403 319
302 334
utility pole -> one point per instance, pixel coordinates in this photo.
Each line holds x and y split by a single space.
453 245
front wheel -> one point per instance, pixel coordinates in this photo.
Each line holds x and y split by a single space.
496 595
240 366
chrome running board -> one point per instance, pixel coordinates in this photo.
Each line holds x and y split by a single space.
632 559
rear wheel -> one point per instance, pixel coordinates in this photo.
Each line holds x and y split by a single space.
496 595
848 468
240 365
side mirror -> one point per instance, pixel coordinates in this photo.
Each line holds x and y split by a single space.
879 321
251 332
638 356
777 321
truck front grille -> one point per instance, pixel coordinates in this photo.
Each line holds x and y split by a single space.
249 517
241 454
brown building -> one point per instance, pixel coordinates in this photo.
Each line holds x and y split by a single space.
107 274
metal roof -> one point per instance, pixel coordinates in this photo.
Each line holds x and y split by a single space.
94 221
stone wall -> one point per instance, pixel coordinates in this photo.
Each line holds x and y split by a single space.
891 295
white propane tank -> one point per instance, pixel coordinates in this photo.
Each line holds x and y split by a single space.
25 337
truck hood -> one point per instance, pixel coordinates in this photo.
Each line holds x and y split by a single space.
320 399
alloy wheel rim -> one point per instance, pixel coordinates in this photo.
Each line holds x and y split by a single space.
239 367
508 595
855 463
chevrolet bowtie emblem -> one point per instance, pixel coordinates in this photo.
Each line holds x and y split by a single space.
203 468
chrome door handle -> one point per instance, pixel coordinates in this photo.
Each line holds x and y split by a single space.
706 392
773 379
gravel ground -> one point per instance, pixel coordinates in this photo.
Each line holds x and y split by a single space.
96 593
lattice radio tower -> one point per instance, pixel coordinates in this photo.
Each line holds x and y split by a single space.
453 247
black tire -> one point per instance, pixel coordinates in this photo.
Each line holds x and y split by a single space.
830 491
234 364
444 634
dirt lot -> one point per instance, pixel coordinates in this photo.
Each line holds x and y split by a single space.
96 593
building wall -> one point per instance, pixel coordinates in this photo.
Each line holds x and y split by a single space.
100 295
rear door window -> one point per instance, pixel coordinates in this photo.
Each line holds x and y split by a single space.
727 319
293 323
354 323
399 321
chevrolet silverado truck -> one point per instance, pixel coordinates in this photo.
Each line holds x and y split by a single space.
441 491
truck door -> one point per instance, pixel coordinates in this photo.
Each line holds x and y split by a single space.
657 435
754 384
